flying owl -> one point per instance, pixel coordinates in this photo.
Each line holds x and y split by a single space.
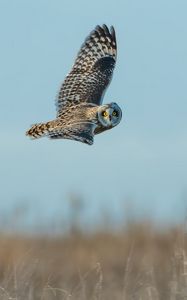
80 114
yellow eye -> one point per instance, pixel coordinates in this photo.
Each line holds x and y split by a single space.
104 113
115 113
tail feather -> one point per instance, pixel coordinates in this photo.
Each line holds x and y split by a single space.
39 130
81 132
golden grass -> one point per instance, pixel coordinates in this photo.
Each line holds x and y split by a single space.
139 263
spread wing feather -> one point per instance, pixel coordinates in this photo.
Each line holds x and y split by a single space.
92 70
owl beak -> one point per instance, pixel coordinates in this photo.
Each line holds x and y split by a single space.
110 118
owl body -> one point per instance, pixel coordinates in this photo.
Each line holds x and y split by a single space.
80 114
84 117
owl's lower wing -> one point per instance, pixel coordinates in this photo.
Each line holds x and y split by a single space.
81 132
100 129
92 70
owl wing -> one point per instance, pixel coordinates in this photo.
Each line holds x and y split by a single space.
92 70
81 132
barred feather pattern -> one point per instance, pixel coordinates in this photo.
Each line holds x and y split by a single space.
77 126
80 97
92 70
81 132
41 129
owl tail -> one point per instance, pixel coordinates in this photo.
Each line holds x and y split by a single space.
39 130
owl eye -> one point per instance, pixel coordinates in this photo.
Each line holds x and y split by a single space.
104 113
115 113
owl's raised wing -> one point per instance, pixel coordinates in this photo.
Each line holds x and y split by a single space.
92 70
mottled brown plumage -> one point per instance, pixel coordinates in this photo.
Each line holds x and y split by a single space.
79 114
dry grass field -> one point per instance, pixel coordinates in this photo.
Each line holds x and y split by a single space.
139 262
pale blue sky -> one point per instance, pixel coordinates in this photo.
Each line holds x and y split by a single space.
144 158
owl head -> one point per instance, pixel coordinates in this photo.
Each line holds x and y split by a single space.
109 115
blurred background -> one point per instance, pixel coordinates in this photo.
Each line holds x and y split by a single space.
131 181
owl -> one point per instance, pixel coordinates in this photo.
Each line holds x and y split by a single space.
80 113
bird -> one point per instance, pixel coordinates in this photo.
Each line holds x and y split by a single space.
80 113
